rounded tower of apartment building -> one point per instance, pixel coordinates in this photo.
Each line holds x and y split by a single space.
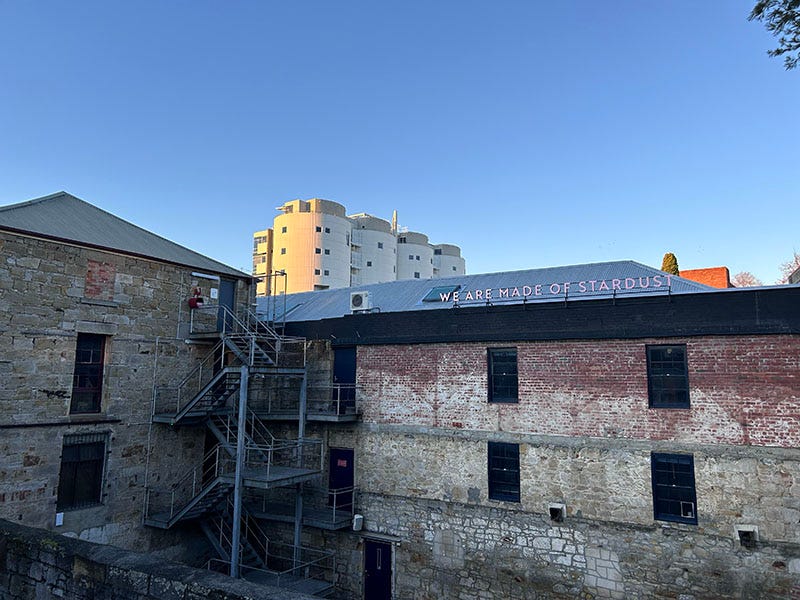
447 261
374 258
311 243
414 256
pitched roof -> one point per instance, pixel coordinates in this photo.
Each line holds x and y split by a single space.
587 281
63 217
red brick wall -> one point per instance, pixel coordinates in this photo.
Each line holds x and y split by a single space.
744 389
718 277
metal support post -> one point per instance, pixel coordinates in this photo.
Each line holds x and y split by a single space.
240 456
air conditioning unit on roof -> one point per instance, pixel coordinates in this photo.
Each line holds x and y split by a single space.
360 302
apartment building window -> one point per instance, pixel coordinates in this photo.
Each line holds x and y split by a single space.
317 250
667 376
454 268
437 251
327 272
503 460
410 257
87 378
316 272
369 263
319 229
327 251
401 240
417 257
674 497
503 381
416 274
80 482
283 250
327 230
380 245
283 229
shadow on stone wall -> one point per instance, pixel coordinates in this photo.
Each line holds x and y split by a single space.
36 564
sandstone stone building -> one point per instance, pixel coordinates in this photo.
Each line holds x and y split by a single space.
131 371
597 431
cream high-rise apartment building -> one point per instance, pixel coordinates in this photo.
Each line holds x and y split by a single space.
318 246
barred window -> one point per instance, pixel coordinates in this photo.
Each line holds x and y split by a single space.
80 481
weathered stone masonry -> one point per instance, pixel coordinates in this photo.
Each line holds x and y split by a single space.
585 435
50 292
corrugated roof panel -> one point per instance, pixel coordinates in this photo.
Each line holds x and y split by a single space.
573 282
62 216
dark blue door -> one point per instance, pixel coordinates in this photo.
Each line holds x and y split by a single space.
340 476
377 570
344 378
227 298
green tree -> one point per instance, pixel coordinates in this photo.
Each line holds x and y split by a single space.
782 18
670 264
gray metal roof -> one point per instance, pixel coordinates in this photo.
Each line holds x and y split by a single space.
64 217
589 281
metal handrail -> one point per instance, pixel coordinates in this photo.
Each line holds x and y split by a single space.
198 377
188 487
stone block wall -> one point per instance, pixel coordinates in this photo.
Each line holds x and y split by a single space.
50 293
35 564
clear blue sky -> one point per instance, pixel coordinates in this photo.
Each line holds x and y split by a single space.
529 133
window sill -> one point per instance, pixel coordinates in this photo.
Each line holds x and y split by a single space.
98 302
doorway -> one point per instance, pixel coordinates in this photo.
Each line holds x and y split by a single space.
377 570
341 475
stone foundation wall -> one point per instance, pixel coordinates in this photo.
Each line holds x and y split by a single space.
428 488
35 564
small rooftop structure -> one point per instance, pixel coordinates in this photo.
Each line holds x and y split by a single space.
718 277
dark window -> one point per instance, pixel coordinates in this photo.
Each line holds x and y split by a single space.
504 471
317 250
401 240
410 257
454 268
283 229
417 257
416 274
316 271
283 250
319 229
380 245
87 379
437 251
81 478
327 272
667 376
327 251
435 295
369 263
503 375
674 497
327 230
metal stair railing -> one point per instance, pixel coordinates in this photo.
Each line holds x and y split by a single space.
250 335
166 503
169 398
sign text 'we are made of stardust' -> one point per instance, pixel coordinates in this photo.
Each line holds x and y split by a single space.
565 289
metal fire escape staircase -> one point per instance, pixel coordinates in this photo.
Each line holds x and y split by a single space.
215 395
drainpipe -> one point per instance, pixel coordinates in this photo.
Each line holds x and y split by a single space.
298 497
237 489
